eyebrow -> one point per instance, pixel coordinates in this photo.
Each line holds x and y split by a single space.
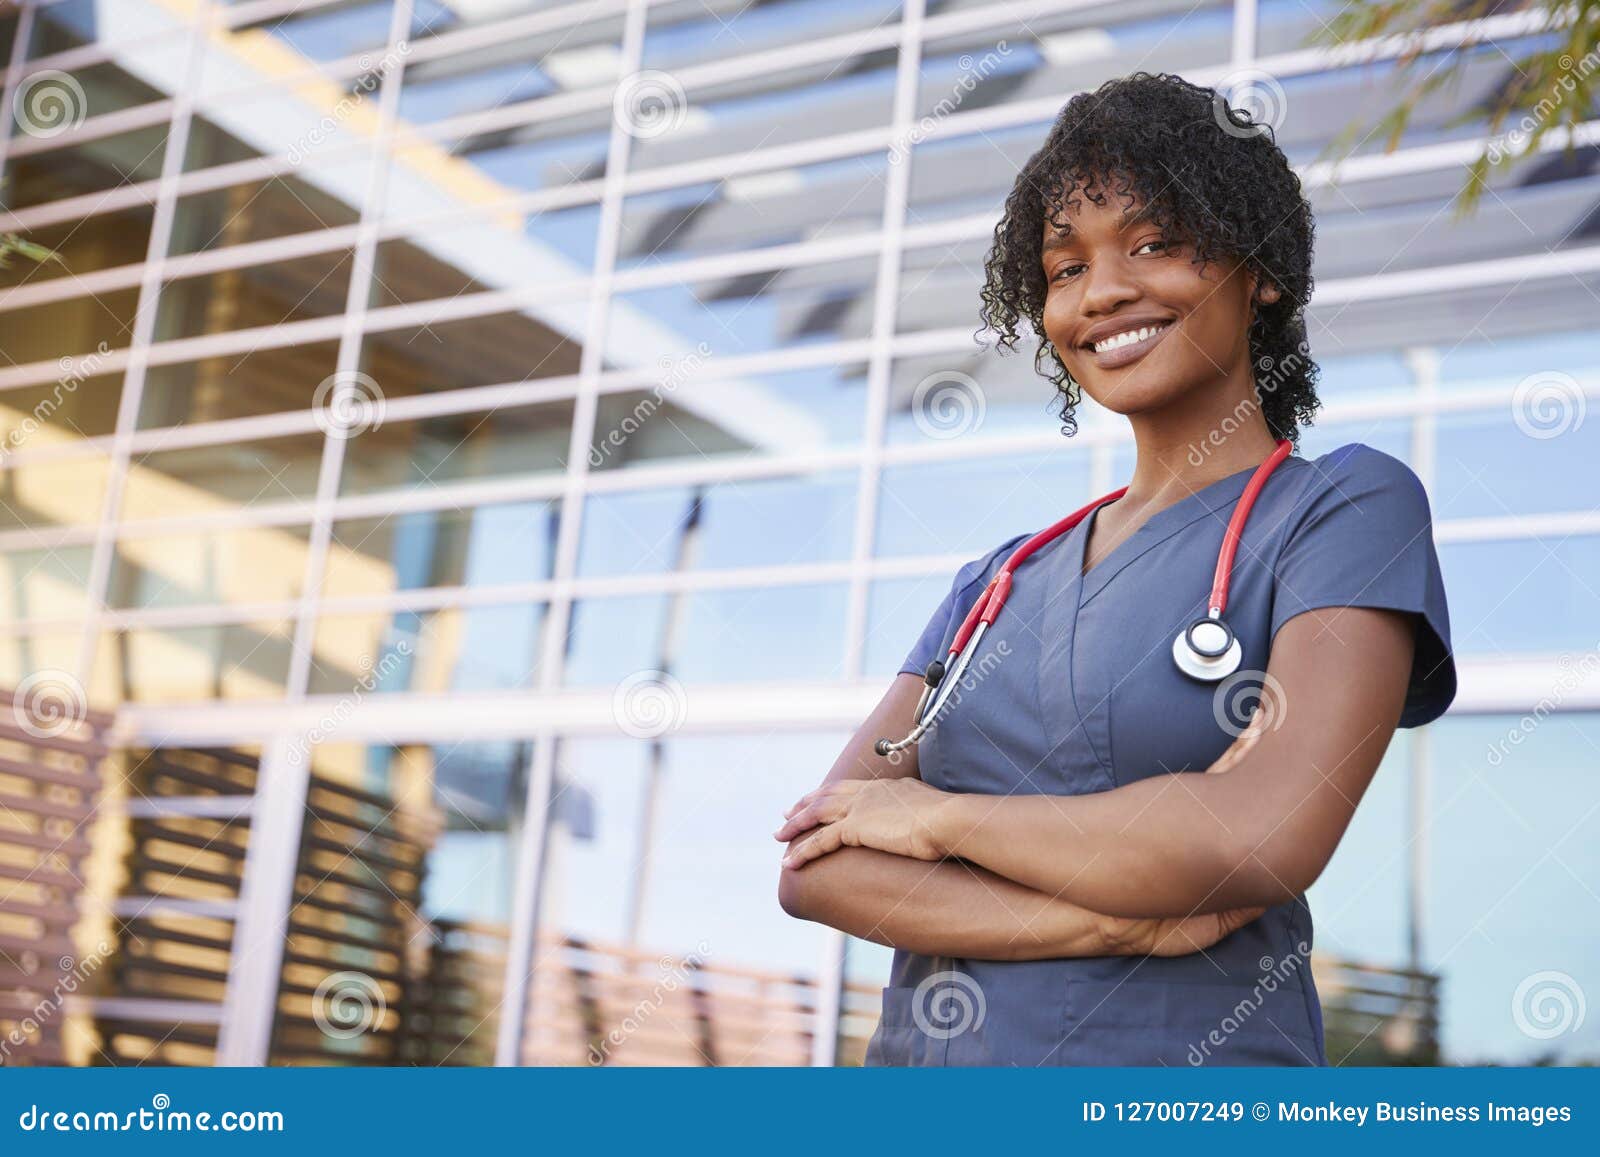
1061 237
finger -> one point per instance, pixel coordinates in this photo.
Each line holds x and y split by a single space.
818 844
823 811
801 802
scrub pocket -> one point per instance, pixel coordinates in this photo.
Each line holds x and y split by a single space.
1158 1023
897 1041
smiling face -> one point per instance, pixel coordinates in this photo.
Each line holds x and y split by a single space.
1138 325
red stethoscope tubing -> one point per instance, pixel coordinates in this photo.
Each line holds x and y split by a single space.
994 596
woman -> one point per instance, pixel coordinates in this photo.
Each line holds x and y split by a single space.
1055 893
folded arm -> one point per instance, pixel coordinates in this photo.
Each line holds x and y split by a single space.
953 908
1259 835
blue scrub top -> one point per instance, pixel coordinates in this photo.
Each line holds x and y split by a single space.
1074 690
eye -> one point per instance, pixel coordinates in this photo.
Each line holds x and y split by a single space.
1159 243
1066 269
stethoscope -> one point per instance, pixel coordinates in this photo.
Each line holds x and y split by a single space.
1206 649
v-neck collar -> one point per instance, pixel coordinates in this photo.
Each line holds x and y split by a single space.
1163 524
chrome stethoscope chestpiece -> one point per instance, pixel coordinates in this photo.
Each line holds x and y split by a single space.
1207 650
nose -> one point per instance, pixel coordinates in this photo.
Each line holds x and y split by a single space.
1108 283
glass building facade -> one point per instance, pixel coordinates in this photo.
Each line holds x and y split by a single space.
490 454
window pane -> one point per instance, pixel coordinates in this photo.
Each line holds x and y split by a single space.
259 564
91 167
65 493
258 297
733 981
505 250
539 342
66 410
44 584
479 170
467 648
241 385
395 952
271 207
970 507
206 479
509 542
1522 596
84 245
430 452
234 661
1520 460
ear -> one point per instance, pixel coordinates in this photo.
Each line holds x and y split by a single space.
1265 292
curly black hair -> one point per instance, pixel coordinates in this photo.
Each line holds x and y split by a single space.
1212 178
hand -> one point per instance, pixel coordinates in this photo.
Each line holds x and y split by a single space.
1174 935
891 815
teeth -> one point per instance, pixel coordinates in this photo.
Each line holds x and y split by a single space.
1129 338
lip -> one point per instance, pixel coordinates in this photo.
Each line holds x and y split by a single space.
1127 354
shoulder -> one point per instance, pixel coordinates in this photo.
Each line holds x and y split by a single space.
981 569
1360 480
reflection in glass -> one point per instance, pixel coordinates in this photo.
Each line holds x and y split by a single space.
84 245
402 908
427 453
729 525
971 507
231 661
539 342
75 327
1523 596
641 833
784 206
91 167
506 542
1514 461
258 210
65 493
492 647
51 583
580 56
481 170
756 312
59 412
257 564
970 394
208 479
259 296
268 380
76 23
497 251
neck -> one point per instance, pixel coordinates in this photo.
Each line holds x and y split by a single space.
1178 453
